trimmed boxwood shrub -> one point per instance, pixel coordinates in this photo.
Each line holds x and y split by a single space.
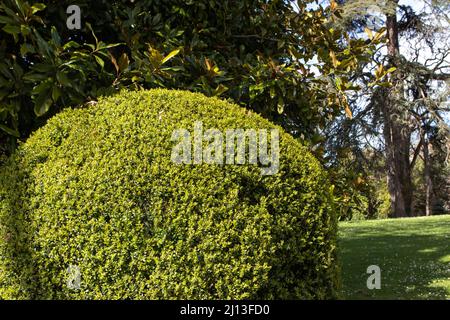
95 190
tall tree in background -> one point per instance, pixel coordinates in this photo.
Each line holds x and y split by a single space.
410 107
400 120
396 129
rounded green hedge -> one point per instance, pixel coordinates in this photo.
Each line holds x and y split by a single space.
95 191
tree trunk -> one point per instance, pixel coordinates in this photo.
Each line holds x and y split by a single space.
397 134
397 139
427 177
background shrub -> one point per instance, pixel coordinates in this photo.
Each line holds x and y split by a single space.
96 188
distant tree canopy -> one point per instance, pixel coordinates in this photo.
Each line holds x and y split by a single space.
260 54
400 132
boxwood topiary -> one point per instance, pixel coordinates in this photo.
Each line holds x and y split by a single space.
95 191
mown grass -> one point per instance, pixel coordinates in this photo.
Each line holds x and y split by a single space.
413 254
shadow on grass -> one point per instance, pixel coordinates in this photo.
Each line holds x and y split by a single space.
414 259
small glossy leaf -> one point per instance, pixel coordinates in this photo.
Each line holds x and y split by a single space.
99 61
42 103
170 56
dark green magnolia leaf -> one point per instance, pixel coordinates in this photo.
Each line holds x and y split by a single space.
44 48
103 46
56 93
5 71
103 54
11 29
10 131
18 71
71 44
26 48
220 90
62 78
44 67
34 77
42 103
79 69
9 12
55 37
6 20
99 61
42 87
22 7
25 30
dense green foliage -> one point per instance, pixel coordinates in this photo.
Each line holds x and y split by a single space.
261 54
96 188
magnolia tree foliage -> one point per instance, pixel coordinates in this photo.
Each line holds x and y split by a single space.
287 61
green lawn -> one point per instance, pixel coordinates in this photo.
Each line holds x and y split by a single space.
413 254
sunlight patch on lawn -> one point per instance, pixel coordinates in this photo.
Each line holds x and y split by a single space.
428 250
441 284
